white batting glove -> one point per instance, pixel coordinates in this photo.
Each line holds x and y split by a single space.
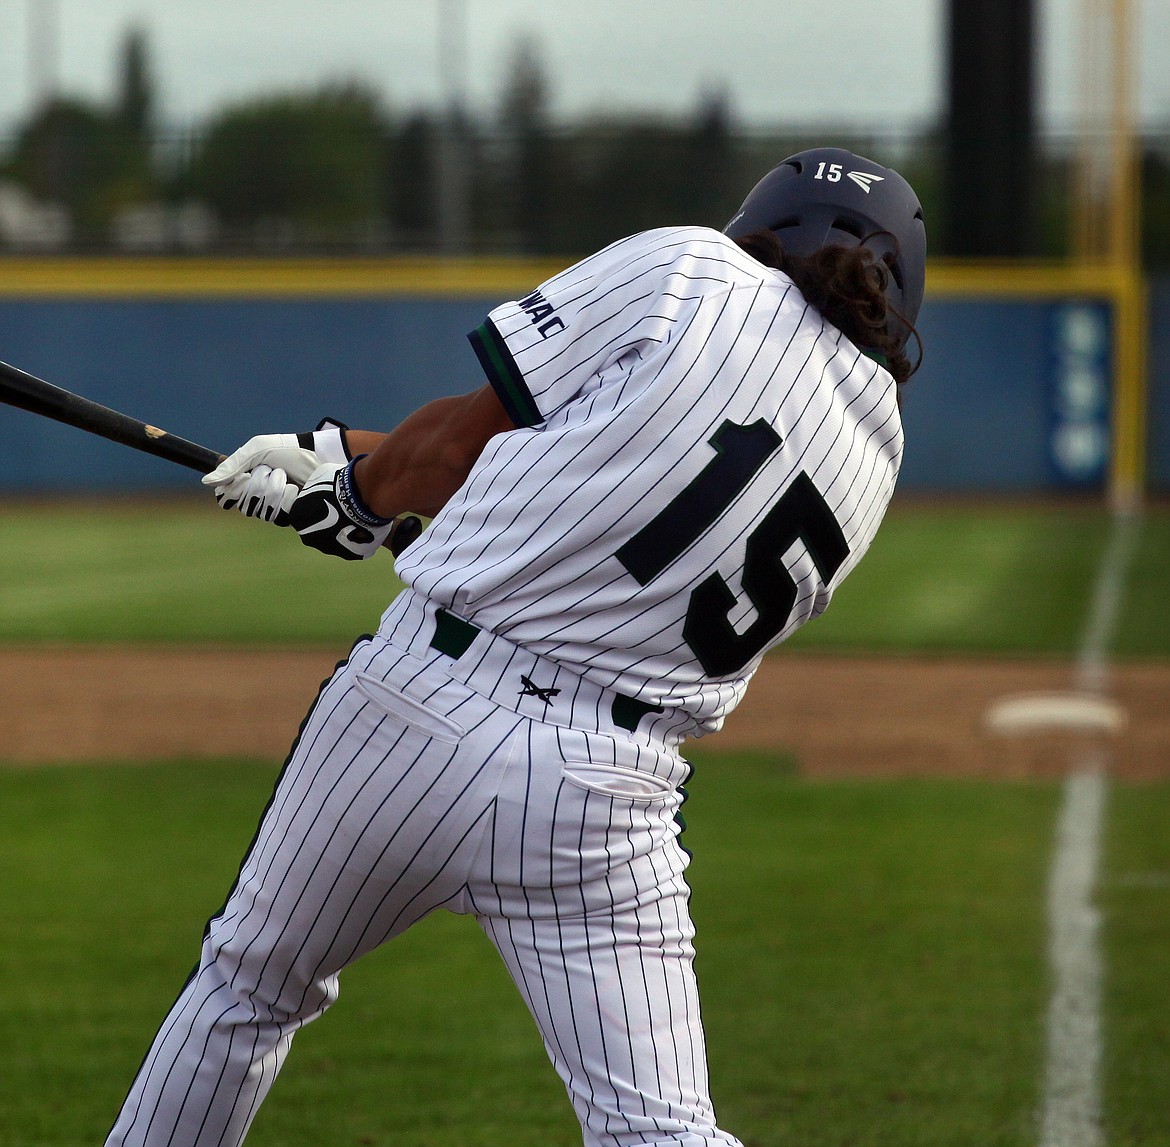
264 493
263 477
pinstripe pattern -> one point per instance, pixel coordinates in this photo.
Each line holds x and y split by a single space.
599 556
374 824
667 335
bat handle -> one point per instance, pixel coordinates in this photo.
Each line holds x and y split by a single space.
405 534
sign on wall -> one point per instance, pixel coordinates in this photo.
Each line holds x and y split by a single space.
1079 394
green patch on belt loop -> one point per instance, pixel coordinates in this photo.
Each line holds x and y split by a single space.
453 636
627 711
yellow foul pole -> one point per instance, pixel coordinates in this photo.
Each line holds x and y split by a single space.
1129 409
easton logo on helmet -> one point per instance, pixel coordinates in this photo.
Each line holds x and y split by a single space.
863 179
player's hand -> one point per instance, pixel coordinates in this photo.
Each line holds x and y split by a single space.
329 515
263 492
263 477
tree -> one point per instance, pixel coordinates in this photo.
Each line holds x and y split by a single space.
410 181
529 173
93 160
134 105
312 161
709 189
79 155
628 175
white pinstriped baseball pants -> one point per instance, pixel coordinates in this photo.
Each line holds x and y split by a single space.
407 792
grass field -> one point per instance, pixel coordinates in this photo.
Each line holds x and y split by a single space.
995 579
983 578
836 922
872 955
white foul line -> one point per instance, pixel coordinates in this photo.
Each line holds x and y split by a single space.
1072 1084
1072 1087
1101 624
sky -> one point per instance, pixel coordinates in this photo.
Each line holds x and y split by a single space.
875 63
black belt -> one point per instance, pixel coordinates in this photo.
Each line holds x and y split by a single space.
453 636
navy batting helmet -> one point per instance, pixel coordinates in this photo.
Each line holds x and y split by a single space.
828 196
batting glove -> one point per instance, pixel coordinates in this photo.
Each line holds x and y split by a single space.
263 477
262 492
329 515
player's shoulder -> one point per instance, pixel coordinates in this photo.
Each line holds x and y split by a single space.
662 259
693 250
704 241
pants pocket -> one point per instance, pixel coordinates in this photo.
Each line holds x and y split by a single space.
616 781
411 712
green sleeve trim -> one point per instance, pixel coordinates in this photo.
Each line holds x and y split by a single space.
504 375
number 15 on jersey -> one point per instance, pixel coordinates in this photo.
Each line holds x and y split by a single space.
799 514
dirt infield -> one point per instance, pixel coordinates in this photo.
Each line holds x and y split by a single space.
857 716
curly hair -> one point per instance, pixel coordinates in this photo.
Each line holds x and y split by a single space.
847 286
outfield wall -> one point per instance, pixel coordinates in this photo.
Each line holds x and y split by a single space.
1014 396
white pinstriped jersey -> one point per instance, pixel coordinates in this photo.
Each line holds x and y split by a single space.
701 460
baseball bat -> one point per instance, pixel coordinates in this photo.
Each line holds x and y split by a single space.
26 391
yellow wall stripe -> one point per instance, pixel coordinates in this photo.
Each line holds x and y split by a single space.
455 278
951 279
270 278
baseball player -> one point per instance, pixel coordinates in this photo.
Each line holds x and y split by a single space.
684 444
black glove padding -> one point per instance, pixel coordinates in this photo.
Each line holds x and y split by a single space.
330 516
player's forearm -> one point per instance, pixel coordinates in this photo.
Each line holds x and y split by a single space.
363 441
392 483
427 457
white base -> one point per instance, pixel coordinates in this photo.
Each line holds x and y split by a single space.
1055 712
